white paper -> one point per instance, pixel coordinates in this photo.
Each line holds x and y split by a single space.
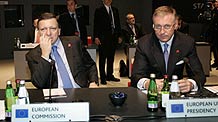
213 89
2 109
55 93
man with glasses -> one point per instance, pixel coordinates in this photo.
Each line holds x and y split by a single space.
66 63
166 51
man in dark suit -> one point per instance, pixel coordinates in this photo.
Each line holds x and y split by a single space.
73 24
106 33
131 28
166 51
77 67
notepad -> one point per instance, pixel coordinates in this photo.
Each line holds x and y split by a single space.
213 89
55 93
2 109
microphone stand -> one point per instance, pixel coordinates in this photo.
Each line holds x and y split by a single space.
50 80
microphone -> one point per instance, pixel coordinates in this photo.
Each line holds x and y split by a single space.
50 80
186 60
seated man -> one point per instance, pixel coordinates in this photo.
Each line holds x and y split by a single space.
131 30
67 61
164 52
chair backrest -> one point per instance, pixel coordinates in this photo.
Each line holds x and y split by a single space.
68 38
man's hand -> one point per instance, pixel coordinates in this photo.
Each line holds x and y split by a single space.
45 45
93 85
185 85
97 41
120 40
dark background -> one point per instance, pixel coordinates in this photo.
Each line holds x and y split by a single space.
20 13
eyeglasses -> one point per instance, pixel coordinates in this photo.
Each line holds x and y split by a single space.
165 27
52 29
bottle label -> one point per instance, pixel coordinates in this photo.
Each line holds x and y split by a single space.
8 114
22 101
152 104
9 102
165 98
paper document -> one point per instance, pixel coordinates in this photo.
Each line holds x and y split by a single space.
213 89
2 109
55 93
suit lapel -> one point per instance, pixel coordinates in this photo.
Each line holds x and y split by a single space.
175 56
158 55
69 53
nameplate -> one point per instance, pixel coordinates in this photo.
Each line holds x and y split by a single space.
28 45
192 107
2 109
51 112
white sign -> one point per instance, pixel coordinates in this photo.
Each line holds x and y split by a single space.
192 107
2 109
51 112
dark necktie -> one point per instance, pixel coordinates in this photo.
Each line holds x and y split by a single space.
111 19
74 23
62 69
166 54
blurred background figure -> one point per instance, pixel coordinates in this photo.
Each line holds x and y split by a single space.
106 33
131 28
32 35
181 25
73 24
214 34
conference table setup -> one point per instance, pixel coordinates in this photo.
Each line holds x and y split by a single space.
98 106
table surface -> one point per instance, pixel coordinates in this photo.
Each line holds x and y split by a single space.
133 109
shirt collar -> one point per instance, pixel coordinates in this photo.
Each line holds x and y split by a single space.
168 42
57 43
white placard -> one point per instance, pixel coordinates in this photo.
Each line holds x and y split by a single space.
195 107
2 109
51 112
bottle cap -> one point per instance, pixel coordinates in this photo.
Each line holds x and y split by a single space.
22 82
175 77
165 76
8 82
152 75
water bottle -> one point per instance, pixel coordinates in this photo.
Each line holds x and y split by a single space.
174 88
131 40
9 100
165 92
18 42
23 96
152 95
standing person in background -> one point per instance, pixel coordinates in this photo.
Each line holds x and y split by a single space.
32 35
214 34
73 24
166 52
66 60
106 33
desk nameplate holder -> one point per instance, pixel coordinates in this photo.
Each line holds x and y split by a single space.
195 107
51 112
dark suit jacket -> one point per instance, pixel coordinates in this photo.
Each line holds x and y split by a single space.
149 58
67 29
127 32
82 66
102 27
